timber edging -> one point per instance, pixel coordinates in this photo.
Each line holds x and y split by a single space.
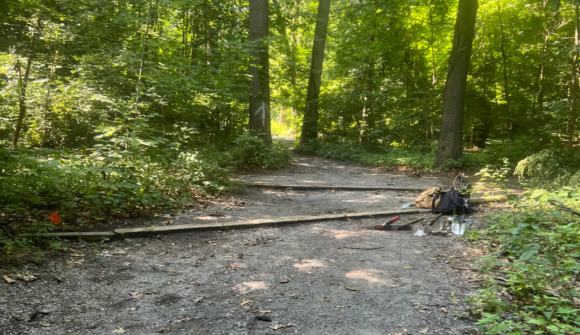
186 228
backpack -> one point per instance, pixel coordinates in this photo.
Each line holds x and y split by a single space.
454 201
451 203
425 199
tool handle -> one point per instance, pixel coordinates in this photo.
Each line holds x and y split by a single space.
411 222
435 219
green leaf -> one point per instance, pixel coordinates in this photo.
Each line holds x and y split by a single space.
528 254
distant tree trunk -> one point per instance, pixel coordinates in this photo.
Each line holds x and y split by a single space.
505 74
281 27
574 111
22 85
143 51
450 144
260 71
310 122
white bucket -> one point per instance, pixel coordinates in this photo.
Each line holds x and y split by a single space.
458 228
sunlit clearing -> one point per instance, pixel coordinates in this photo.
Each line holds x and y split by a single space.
250 286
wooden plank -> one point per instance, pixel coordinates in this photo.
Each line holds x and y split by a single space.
327 188
85 236
146 231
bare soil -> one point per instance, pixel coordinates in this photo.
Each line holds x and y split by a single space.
336 277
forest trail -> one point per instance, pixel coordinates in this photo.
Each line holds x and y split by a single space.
334 277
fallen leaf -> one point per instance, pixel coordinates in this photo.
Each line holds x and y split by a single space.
78 262
406 267
137 295
246 302
8 279
119 331
424 331
282 326
352 288
26 277
443 310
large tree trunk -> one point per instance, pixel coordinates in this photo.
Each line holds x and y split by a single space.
574 111
260 71
450 144
310 122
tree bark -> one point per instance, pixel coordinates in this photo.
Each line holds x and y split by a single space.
260 71
450 142
505 74
310 122
22 85
574 111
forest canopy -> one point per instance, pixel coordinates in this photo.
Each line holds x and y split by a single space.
118 89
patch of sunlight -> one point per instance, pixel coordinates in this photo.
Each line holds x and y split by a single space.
369 275
250 286
341 234
308 265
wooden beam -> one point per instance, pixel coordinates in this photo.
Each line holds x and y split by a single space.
185 228
146 231
85 236
328 188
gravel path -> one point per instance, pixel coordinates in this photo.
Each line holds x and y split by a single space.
334 277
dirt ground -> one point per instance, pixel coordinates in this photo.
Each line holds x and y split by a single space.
335 277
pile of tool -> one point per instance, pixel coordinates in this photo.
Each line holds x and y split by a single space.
457 224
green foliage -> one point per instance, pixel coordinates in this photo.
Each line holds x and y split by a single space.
103 182
496 178
544 169
250 153
541 245
396 157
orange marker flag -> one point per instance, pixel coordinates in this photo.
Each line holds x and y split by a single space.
55 218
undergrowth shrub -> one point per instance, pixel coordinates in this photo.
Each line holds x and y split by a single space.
375 156
102 182
251 153
541 294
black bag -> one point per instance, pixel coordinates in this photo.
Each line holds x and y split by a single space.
450 203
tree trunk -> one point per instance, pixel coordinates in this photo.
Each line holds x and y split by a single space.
450 144
22 85
260 71
281 27
145 39
505 74
310 122
574 111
